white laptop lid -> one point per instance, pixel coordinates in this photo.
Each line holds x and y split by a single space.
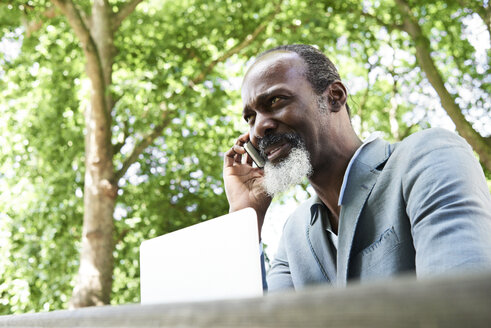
215 259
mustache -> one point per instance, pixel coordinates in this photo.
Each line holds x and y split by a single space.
271 139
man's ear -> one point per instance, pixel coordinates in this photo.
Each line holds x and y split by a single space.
336 96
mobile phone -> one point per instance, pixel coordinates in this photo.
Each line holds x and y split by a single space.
255 155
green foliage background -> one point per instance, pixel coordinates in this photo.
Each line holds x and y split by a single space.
162 47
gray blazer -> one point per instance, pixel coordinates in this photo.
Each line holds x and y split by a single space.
421 205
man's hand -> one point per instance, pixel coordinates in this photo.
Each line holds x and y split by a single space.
243 182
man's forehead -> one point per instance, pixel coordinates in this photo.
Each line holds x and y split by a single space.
272 62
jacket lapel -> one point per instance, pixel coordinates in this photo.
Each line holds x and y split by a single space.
319 243
361 180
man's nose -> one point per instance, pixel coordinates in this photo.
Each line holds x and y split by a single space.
263 125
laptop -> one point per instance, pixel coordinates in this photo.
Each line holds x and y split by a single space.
215 259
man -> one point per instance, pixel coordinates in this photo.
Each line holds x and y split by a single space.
380 210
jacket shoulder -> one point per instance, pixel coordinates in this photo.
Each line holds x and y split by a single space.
433 138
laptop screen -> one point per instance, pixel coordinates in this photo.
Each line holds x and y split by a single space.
215 259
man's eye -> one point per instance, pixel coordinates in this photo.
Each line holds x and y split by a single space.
248 118
274 100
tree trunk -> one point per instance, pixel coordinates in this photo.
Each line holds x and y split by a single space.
96 261
479 143
94 281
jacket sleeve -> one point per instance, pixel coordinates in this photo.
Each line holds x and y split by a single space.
448 204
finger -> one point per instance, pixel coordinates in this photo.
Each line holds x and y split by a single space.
243 138
229 158
238 158
234 155
249 160
239 150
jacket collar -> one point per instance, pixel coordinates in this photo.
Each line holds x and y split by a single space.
373 158
360 182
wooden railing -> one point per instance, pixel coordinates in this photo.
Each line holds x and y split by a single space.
457 301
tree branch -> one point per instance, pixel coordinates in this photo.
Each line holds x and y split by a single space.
124 12
79 23
407 131
117 147
76 19
486 17
144 143
166 118
85 19
33 26
380 22
238 47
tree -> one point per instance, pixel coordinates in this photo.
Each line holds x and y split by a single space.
435 31
96 28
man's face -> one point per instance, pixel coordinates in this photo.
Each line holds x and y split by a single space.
283 114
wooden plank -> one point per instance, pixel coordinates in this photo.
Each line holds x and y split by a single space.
457 301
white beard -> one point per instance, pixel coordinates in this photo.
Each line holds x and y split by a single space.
290 171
